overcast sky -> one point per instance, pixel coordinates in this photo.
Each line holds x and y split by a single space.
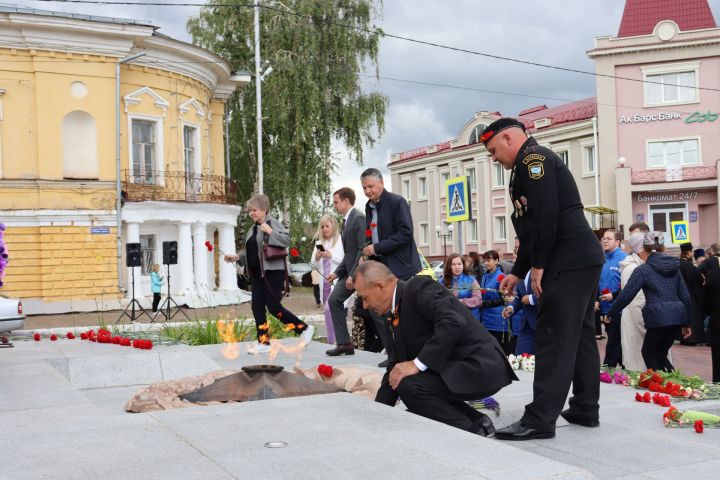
554 32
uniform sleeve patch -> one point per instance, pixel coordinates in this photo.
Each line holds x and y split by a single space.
536 170
534 157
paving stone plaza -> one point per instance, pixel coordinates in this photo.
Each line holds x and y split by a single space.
63 417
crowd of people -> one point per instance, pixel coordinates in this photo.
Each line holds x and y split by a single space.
447 340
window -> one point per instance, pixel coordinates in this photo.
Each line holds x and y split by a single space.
675 153
588 159
79 145
444 177
422 187
673 87
476 133
565 157
406 188
471 178
472 230
498 175
147 253
189 136
500 232
143 151
424 234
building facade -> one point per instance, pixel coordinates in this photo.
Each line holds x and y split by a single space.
658 117
59 170
420 174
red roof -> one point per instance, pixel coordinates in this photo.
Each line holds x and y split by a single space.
641 16
567 113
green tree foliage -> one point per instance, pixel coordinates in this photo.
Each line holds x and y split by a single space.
317 49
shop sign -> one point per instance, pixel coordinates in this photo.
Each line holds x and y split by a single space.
665 197
698 117
652 117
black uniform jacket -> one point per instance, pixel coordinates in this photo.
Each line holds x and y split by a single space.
548 214
433 326
353 242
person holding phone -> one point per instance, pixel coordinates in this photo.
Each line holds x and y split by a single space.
326 257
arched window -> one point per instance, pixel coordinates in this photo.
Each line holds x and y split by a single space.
79 143
476 133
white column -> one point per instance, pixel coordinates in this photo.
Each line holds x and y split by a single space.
132 235
184 281
228 275
199 233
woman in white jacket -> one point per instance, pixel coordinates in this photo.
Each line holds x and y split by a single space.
326 257
632 326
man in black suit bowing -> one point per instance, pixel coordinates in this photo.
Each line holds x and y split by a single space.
353 241
442 355
391 241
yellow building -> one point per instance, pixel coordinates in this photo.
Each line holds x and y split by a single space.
58 160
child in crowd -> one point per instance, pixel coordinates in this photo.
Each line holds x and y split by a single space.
156 281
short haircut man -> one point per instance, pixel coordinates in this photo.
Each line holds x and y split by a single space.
639 227
371 172
346 193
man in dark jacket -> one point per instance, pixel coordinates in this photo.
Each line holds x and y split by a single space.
693 281
443 355
558 246
390 237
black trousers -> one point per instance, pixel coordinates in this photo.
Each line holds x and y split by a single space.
316 293
656 346
566 350
504 338
266 294
156 301
715 354
426 394
613 347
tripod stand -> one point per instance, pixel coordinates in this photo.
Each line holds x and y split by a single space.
169 303
132 305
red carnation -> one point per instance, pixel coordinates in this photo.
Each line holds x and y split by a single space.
53 337
698 426
208 245
646 397
116 340
501 277
605 291
368 233
638 397
373 225
83 336
325 370
294 252
36 337
70 336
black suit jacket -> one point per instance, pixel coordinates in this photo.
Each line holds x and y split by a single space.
396 246
438 330
353 242
712 296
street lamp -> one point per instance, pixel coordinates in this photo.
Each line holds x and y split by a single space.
444 236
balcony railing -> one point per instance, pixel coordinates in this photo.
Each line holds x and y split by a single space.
673 174
179 187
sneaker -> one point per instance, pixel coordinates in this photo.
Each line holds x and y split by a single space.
258 348
307 334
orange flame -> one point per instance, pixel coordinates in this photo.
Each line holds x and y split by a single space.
264 326
226 330
276 346
289 326
263 338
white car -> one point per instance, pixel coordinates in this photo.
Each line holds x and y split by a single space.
298 271
438 267
11 314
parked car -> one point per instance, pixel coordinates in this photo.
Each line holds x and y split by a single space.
425 268
11 314
438 267
297 271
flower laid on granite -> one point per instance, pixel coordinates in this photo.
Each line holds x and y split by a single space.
325 370
675 418
36 337
643 398
489 403
698 425
70 336
605 377
525 362
53 338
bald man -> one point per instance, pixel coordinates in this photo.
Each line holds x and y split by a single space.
443 355
558 246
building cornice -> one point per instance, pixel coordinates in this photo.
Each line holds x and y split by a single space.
58 184
634 45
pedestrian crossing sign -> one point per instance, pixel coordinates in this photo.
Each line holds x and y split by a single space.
680 232
458 206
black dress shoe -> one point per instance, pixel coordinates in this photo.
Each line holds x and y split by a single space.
341 349
385 363
517 431
483 427
579 420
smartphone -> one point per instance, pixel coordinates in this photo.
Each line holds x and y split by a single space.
320 247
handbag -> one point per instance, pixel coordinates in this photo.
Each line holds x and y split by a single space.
271 252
